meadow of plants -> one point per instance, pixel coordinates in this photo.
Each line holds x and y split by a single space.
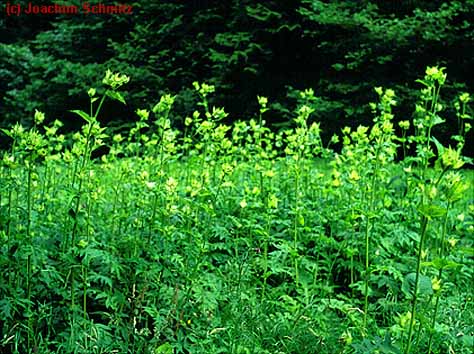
237 239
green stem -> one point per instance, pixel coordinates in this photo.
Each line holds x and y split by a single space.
73 305
366 275
265 254
153 215
28 261
435 314
80 174
296 221
424 224
84 301
368 226
440 273
8 228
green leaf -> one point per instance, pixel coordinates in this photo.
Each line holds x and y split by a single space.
439 147
84 116
164 349
7 133
437 120
432 211
423 82
261 13
6 308
469 251
387 346
250 70
441 263
115 96
424 285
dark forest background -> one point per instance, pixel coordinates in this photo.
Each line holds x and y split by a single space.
340 48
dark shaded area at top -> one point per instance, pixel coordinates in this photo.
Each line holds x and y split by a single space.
342 49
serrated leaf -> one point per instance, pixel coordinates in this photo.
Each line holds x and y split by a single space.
387 346
115 96
424 285
6 308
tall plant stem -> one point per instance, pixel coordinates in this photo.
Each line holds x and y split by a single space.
153 216
28 261
8 230
368 226
265 254
86 155
296 221
435 314
440 273
366 275
424 224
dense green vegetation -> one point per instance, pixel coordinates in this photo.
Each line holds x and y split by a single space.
340 48
327 218
221 238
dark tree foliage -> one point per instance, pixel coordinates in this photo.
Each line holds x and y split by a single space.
378 43
342 49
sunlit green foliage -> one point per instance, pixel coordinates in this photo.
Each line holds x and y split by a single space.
340 48
235 239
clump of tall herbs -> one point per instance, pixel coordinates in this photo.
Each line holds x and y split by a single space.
238 237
